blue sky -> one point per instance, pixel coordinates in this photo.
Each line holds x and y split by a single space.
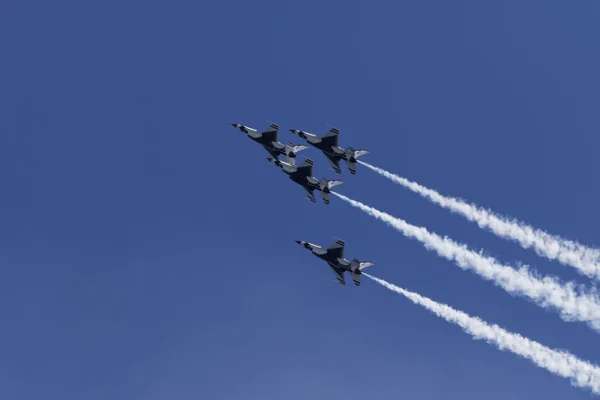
147 247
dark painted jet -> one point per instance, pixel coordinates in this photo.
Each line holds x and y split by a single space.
334 257
328 144
302 175
268 139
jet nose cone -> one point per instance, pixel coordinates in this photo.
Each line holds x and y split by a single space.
234 125
299 241
269 158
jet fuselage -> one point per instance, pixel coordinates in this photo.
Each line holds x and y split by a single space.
274 147
308 182
328 258
333 151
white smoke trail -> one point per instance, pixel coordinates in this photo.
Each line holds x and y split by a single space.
585 259
581 373
548 292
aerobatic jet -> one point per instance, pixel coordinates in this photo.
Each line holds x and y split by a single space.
328 144
302 175
268 139
334 257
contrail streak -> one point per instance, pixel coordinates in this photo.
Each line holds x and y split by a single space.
547 292
581 373
585 259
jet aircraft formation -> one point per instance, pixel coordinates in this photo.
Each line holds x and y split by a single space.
571 304
303 176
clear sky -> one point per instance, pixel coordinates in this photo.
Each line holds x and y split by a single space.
147 247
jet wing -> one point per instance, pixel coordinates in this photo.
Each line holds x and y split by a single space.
305 169
338 272
331 137
335 162
270 135
310 193
337 249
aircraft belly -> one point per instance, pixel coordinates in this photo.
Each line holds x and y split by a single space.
296 180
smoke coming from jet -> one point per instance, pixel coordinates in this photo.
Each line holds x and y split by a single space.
585 259
581 373
547 292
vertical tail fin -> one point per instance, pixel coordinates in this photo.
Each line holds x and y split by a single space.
361 264
291 150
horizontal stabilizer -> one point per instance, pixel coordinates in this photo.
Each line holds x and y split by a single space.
351 156
356 278
324 186
326 197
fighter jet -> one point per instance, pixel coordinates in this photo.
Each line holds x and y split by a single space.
334 256
268 139
328 144
302 175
